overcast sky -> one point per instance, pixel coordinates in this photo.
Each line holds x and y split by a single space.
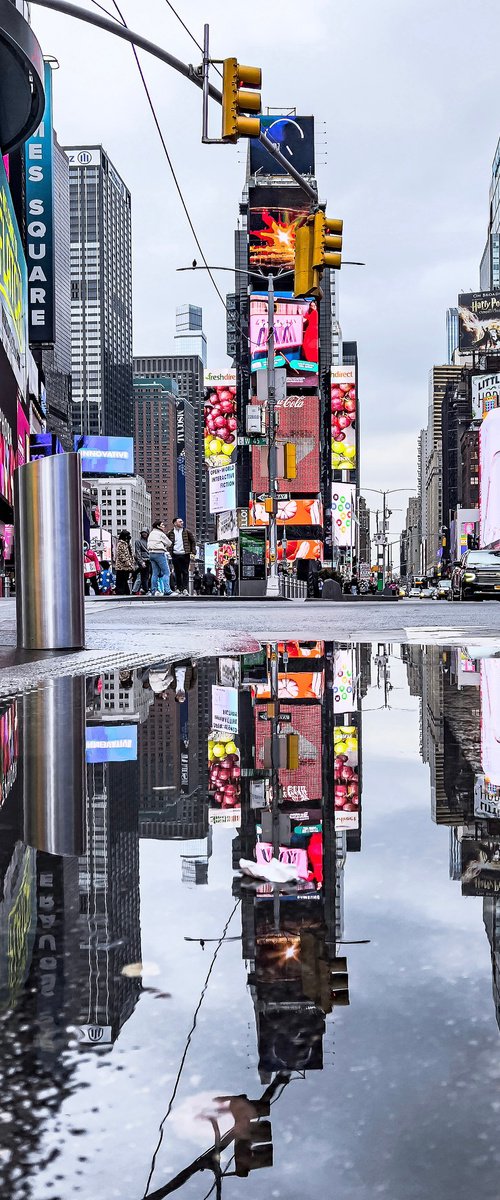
405 96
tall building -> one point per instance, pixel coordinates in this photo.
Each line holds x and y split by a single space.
187 371
189 337
155 434
456 419
411 538
451 333
438 381
124 503
101 294
489 271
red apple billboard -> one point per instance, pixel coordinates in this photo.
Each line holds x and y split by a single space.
220 421
343 403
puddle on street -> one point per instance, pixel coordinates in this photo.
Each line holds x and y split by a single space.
324 1022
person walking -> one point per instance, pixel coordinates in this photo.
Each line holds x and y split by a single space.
91 569
183 549
209 582
197 581
124 563
229 573
157 546
142 575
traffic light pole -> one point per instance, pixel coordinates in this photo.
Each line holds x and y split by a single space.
272 584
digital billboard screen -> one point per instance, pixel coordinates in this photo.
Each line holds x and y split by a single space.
110 743
290 512
295 337
485 395
489 503
105 455
343 404
479 321
219 412
343 511
298 422
294 136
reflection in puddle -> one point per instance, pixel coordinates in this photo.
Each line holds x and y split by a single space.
252 841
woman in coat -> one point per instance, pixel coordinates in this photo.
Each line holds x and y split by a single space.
158 544
124 563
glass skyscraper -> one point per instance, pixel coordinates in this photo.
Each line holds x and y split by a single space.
489 271
101 295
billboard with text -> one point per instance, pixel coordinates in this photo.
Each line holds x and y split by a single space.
479 321
298 422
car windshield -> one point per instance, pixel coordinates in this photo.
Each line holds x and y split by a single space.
484 558
445 583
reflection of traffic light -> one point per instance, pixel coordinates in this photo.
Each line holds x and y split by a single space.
237 100
318 243
324 981
253 1144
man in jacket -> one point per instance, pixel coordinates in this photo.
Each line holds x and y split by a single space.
183 549
143 563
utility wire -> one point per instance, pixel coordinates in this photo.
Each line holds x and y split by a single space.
188 31
186 1048
168 158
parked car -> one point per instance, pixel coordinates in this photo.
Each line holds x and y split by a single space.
443 589
478 575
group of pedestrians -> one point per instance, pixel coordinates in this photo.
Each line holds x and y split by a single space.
157 560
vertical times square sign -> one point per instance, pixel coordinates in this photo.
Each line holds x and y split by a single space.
39 156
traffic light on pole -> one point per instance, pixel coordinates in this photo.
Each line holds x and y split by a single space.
318 243
327 242
237 100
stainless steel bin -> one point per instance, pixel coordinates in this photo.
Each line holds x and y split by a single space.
49 554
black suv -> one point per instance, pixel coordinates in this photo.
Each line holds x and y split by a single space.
477 575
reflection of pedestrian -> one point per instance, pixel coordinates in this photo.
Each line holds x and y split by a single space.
178 677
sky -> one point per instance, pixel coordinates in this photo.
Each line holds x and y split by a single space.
404 93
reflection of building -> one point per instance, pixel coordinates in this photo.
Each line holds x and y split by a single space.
101 294
117 699
124 503
173 774
109 922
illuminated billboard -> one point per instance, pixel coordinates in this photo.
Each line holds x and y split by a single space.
343 403
290 512
295 337
298 422
222 488
105 455
490 722
343 512
294 136
479 321
303 784
39 170
220 416
272 236
111 743
489 504
300 548
485 395
346 780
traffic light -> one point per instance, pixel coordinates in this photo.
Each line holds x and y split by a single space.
318 243
253 1141
289 460
324 981
237 100
327 242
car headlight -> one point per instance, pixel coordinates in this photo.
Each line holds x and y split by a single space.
469 576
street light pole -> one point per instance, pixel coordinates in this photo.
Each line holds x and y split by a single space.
272 584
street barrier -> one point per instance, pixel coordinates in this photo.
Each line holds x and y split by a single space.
49 554
292 588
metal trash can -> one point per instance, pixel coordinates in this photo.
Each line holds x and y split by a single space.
49 554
